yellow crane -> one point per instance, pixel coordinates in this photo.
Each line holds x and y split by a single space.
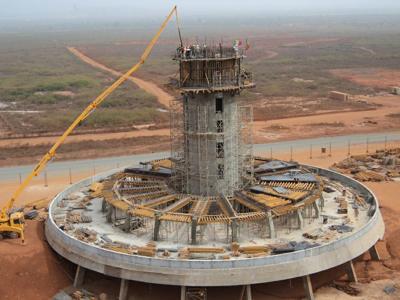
14 221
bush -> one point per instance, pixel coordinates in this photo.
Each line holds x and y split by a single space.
62 86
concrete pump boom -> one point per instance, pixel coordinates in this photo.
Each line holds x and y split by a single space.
88 110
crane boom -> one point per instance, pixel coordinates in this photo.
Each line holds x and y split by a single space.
88 110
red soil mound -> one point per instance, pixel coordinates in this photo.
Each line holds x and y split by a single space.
32 270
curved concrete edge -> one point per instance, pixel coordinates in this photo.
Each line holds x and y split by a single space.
217 272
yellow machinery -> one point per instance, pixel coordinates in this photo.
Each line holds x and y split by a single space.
13 222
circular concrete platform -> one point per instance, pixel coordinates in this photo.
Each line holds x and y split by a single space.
219 272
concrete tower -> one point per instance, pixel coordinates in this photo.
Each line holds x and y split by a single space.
212 148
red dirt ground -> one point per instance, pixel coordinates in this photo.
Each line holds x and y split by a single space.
34 271
31 271
380 78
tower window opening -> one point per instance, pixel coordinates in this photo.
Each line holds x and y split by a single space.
220 171
220 150
220 126
219 108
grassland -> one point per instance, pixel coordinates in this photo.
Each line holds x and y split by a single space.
43 76
292 61
305 49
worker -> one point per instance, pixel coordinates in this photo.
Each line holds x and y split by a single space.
356 210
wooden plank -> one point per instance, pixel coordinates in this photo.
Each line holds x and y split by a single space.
226 206
178 204
158 201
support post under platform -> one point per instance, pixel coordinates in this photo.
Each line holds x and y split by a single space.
183 292
351 272
248 292
157 223
308 287
300 219
79 276
194 230
234 227
272 232
374 253
123 290
317 210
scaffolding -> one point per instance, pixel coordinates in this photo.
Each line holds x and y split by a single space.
246 153
208 159
211 136
140 201
177 145
204 68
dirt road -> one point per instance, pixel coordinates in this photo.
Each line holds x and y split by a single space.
86 137
337 123
266 131
163 97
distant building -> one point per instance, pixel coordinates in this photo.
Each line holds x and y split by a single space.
395 90
338 96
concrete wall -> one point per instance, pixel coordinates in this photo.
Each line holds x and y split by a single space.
338 96
201 138
395 90
218 272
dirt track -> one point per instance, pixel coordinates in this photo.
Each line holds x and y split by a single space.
163 97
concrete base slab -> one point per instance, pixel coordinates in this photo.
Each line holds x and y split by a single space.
218 272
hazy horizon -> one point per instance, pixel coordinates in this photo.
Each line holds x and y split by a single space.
105 10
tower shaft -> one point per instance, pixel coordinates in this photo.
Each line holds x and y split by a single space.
211 138
212 159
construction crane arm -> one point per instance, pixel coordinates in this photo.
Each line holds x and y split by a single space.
88 110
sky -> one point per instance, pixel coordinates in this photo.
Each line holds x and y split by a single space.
28 10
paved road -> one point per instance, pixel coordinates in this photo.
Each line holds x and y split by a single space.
335 141
102 164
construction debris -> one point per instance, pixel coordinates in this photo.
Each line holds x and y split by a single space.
293 246
260 250
390 289
85 234
147 251
82 295
342 206
235 249
341 228
206 250
120 247
32 214
76 217
383 165
346 288
369 176
310 236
